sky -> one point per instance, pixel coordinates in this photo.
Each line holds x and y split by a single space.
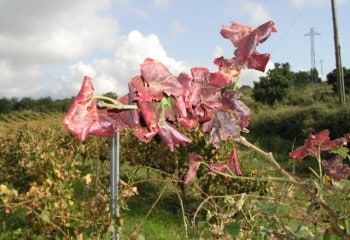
47 47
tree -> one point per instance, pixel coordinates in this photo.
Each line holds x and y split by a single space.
44 104
302 78
111 95
25 103
274 87
314 77
332 79
6 105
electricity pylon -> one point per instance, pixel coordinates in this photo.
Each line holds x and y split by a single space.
312 33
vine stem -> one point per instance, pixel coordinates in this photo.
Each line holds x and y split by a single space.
114 103
50 222
269 156
320 174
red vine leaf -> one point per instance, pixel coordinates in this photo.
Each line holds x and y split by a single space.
193 166
258 61
158 78
231 166
315 144
216 168
172 137
336 169
229 121
246 40
158 116
125 118
83 117
222 126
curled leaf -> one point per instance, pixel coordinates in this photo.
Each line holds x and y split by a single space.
171 136
193 166
315 144
231 167
233 164
230 120
245 39
336 169
159 79
83 117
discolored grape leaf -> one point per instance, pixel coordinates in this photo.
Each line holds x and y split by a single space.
246 40
139 90
231 167
228 122
216 168
84 118
171 136
129 118
223 126
233 164
315 144
159 79
158 117
258 61
336 169
193 166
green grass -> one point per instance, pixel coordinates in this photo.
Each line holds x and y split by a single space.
160 224
155 213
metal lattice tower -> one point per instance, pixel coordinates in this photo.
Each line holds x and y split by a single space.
312 35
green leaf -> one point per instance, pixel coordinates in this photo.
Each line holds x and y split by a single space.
342 151
233 229
45 216
269 208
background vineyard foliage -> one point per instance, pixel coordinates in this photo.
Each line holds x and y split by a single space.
48 173
53 186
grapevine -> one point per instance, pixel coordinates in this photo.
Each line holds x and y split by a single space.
160 104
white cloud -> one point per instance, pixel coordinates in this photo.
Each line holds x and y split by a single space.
43 31
15 79
218 52
249 76
39 33
256 12
113 75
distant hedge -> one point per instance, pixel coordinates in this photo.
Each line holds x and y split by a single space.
295 123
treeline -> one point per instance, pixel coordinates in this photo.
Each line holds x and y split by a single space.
45 104
281 84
